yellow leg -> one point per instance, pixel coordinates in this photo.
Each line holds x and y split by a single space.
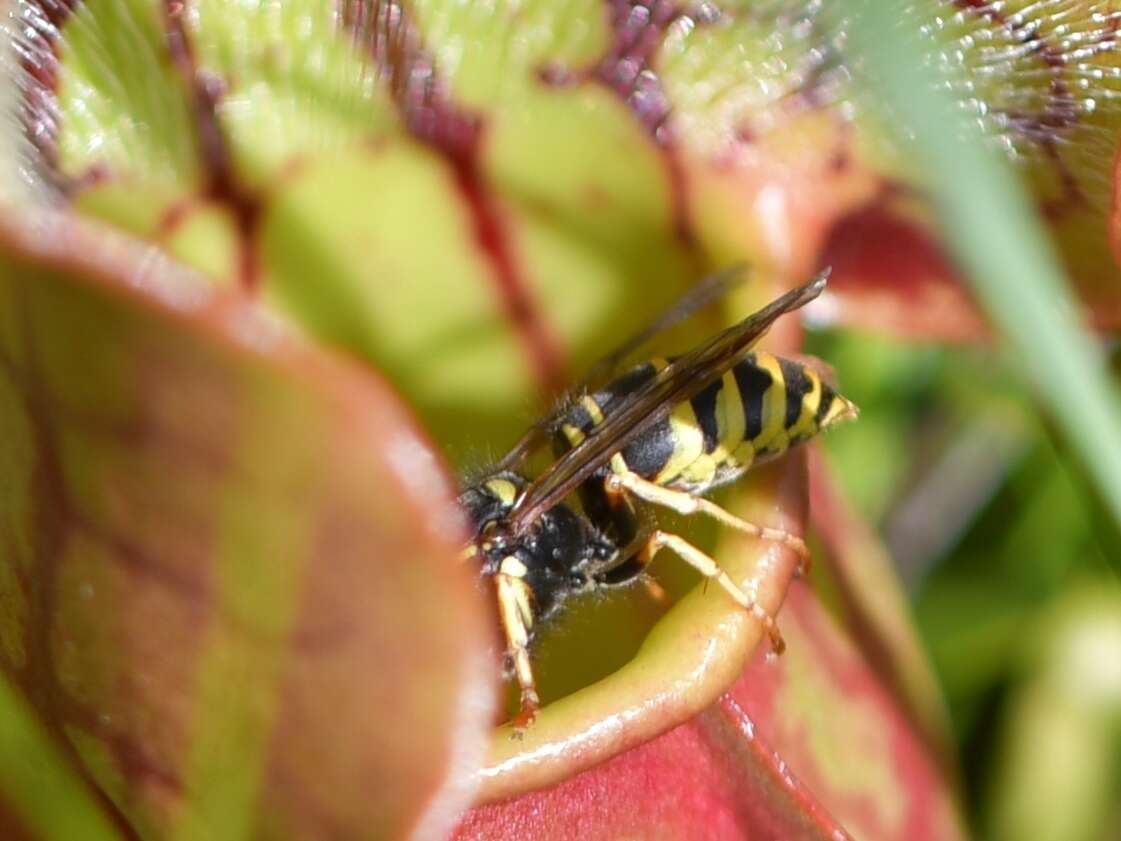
685 503
515 608
708 567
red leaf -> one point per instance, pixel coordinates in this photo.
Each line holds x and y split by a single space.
799 743
233 592
890 275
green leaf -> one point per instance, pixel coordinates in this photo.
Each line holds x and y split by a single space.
40 787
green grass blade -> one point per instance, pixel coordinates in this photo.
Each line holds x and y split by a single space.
42 791
990 224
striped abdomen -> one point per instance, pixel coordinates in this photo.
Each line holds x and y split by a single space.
754 412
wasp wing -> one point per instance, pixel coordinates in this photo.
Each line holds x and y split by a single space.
710 289
678 381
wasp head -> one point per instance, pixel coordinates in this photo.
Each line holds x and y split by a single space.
553 554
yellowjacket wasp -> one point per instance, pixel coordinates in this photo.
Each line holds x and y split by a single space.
664 433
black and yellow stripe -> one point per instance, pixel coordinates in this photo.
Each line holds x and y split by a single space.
754 412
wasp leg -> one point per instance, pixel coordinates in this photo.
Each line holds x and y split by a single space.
685 503
515 609
642 558
708 567
655 590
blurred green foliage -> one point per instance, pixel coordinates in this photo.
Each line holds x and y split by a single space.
951 445
1034 538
